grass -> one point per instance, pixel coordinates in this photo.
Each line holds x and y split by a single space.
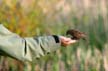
77 57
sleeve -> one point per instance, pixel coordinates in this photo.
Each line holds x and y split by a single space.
26 49
40 46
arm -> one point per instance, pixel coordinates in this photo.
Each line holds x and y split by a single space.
30 48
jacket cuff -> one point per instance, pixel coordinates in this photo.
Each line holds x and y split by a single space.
57 40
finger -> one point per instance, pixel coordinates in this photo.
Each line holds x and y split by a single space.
65 38
72 41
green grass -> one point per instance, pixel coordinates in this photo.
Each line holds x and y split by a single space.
77 57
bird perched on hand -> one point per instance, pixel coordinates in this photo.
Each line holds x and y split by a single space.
75 34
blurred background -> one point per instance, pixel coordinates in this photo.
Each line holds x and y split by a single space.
29 18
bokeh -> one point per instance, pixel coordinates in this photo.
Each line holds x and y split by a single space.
30 18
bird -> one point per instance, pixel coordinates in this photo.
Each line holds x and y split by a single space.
75 34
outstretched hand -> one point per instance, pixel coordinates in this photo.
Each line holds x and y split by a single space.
65 41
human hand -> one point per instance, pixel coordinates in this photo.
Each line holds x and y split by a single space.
65 41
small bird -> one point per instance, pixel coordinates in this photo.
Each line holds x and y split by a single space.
75 34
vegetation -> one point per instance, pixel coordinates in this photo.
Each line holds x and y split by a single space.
39 17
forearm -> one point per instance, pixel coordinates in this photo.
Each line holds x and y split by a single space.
40 46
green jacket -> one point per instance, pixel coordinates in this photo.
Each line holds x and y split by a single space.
28 48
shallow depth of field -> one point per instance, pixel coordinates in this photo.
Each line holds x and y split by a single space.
30 18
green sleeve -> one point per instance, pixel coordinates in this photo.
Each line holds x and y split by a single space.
26 49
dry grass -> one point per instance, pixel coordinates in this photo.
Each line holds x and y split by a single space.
29 18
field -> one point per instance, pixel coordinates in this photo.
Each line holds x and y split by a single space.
29 18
